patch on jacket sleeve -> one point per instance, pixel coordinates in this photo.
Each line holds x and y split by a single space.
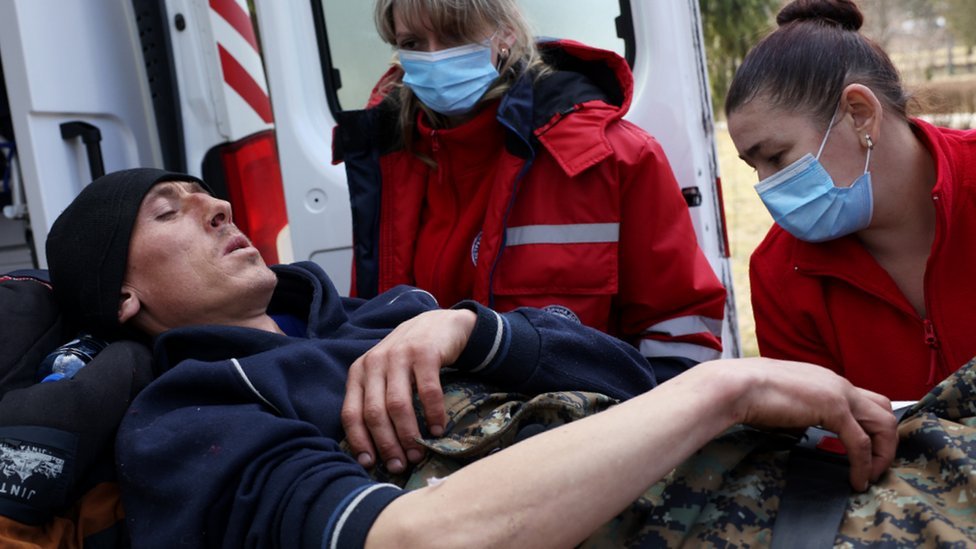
475 246
36 469
562 311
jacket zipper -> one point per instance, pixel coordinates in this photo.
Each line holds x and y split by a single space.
508 209
435 147
933 342
931 339
435 144
557 118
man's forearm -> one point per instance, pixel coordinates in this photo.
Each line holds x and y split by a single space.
533 493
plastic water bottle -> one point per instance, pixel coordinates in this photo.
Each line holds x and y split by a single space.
65 361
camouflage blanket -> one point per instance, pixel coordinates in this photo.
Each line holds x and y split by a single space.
482 421
727 494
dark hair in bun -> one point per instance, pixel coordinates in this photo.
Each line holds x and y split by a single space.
842 13
805 64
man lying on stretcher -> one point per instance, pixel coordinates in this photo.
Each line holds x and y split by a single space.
262 371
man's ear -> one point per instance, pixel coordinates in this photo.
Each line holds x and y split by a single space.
866 112
129 304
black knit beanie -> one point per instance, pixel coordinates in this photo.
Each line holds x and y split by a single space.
88 246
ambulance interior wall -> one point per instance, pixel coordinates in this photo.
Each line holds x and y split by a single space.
14 249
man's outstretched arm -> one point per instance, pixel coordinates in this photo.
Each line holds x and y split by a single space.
530 494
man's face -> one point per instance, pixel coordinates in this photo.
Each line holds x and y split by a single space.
189 264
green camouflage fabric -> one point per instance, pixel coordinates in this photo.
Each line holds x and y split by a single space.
482 421
727 494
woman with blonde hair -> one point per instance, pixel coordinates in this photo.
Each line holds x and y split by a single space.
492 168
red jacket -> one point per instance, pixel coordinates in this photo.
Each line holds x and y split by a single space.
833 304
583 217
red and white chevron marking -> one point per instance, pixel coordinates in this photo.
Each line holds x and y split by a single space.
240 62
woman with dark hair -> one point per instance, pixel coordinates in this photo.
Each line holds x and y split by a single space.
868 269
489 168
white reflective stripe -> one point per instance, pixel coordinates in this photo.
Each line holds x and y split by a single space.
418 290
652 348
495 345
687 325
581 233
240 372
334 543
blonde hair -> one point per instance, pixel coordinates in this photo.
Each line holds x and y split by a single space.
462 21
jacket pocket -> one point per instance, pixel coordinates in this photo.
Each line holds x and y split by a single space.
578 259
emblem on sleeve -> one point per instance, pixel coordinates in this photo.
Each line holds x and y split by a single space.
474 249
562 311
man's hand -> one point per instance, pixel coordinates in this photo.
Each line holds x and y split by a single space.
790 394
378 413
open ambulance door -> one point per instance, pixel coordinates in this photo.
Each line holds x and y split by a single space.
323 56
76 97
104 85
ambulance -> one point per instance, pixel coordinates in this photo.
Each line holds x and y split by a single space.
245 94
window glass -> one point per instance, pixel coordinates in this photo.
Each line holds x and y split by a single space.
589 21
360 56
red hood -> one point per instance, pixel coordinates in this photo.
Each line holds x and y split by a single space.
615 64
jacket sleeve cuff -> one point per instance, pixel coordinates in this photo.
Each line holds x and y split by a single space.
347 524
501 347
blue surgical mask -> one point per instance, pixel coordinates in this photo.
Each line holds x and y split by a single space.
803 199
450 81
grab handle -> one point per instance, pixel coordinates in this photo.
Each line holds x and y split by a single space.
91 136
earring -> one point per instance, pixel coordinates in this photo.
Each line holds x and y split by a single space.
867 138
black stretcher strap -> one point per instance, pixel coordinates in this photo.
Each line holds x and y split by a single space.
816 492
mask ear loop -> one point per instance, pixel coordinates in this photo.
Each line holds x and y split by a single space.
867 160
830 126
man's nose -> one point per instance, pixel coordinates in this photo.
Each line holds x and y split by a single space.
219 211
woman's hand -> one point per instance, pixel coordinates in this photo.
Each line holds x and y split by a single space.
784 394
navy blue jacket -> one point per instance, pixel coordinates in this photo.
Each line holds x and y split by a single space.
237 442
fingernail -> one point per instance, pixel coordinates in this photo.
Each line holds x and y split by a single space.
365 459
394 465
867 484
437 430
414 455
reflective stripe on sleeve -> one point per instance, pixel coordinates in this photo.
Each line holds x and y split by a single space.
687 325
348 511
499 333
699 353
581 233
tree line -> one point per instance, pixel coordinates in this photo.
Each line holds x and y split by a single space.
731 27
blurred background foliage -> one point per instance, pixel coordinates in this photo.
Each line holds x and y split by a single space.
932 42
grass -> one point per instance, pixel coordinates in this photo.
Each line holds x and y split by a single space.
748 222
